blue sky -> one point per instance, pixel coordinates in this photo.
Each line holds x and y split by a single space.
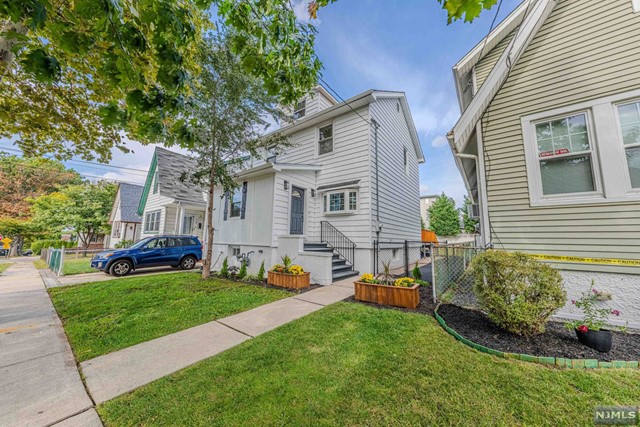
389 45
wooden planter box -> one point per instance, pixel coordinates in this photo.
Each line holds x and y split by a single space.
291 281
388 295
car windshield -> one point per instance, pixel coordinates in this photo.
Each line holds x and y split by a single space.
140 243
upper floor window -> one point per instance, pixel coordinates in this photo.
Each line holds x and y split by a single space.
565 155
629 118
325 139
300 109
155 182
235 203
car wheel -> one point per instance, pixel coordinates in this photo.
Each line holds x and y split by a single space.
120 268
187 263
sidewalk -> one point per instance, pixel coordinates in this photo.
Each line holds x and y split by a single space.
119 372
38 375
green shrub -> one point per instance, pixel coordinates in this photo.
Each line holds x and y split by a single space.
261 272
38 245
517 292
224 271
243 270
123 244
416 273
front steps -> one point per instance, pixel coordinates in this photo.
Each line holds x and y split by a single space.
339 268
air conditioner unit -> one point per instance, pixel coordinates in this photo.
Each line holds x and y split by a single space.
473 210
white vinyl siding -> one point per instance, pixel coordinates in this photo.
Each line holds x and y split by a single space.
484 67
563 66
399 192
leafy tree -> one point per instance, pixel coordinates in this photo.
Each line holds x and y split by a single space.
444 218
465 9
468 222
18 230
22 179
223 123
90 68
83 208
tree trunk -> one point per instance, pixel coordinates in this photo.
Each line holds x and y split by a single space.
206 263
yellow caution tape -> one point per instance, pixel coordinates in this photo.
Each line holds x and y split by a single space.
605 261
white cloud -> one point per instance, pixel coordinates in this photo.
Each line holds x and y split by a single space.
301 9
439 141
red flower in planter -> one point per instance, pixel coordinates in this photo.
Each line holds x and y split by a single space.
583 329
615 312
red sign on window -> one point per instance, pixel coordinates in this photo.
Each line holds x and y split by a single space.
546 153
562 151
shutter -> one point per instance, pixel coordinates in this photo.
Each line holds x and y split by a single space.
226 205
244 199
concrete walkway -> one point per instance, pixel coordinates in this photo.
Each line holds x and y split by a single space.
38 375
116 373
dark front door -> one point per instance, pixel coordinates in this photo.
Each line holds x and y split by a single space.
297 211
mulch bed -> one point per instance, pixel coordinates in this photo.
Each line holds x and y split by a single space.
556 341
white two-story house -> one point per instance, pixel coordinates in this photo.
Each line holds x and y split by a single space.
350 177
169 203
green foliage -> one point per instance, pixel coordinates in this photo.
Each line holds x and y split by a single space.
595 317
416 273
261 272
444 218
465 9
468 222
224 271
124 244
38 245
83 208
423 226
84 70
243 270
517 292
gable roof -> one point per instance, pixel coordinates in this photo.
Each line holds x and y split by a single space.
530 16
353 103
170 167
130 195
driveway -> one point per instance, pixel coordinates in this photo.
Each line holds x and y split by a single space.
39 379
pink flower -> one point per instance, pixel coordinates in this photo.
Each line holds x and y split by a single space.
583 329
615 312
573 302
595 291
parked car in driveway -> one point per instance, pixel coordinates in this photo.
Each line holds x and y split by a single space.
175 251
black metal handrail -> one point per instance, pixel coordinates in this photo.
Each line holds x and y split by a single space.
338 241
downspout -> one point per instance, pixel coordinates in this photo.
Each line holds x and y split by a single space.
375 143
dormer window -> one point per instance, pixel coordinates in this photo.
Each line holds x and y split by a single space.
300 109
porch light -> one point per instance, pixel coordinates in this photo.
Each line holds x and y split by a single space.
286 185
313 193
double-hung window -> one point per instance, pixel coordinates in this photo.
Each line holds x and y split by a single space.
235 203
152 222
300 109
629 118
325 139
340 201
565 155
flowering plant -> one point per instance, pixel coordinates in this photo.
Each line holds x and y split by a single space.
367 278
287 267
296 269
278 268
404 282
594 317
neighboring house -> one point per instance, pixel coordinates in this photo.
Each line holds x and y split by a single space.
319 201
97 241
425 203
549 141
125 222
170 204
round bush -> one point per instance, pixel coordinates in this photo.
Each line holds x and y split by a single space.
517 292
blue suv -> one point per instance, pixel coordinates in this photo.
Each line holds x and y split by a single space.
176 251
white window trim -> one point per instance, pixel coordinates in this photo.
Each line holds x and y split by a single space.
346 210
630 189
157 216
609 163
333 139
636 5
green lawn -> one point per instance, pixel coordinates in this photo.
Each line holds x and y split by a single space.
350 364
4 266
77 266
105 316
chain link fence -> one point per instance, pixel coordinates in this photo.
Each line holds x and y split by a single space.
70 260
401 257
450 282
